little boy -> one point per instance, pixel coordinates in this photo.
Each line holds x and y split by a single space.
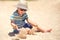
18 20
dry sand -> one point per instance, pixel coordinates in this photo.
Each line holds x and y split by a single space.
45 12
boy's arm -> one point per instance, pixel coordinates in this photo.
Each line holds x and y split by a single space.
13 25
31 23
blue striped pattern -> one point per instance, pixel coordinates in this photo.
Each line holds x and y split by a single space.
19 20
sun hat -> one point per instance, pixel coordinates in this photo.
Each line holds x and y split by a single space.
22 6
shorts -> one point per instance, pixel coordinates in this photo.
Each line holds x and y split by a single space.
25 26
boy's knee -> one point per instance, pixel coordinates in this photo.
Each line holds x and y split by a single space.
34 29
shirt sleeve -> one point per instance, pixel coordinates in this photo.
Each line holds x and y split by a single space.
12 17
26 17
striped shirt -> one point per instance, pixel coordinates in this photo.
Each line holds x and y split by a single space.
19 20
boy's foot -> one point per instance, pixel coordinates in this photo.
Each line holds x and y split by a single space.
49 30
11 34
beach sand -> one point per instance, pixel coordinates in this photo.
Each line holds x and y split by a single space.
46 13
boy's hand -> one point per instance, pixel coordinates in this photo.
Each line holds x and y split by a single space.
14 26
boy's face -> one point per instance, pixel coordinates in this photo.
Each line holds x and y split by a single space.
21 11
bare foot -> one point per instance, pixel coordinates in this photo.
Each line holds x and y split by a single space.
49 30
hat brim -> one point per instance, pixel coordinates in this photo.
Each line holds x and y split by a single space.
22 6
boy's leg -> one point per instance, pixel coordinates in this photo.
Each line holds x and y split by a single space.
42 30
13 32
29 28
32 31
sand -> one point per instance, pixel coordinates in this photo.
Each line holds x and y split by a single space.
46 13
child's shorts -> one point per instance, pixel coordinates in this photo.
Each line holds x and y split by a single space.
25 26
